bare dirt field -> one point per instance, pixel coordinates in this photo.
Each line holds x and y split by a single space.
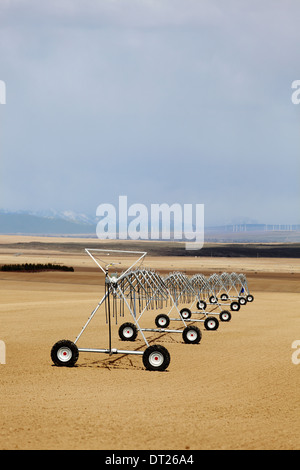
237 389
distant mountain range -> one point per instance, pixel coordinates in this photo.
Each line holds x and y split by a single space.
46 223
68 215
55 223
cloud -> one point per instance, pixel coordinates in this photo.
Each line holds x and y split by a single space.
111 13
165 101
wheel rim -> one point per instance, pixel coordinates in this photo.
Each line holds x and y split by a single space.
191 335
235 307
156 359
162 321
128 332
201 305
64 354
211 324
225 316
185 315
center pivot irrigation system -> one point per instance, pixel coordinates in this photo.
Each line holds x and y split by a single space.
217 291
231 287
137 290
151 288
184 292
155 357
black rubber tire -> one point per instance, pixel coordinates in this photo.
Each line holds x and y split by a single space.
225 316
242 301
191 335
235 306
224 297
201 305
213 299
211 323
185 313
64 353
162 321
250 298
156 357
128 332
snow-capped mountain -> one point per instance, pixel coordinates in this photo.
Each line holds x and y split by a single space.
67 215
50 222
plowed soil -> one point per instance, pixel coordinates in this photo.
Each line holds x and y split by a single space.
237 389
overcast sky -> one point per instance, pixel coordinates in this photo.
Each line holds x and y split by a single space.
165 101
